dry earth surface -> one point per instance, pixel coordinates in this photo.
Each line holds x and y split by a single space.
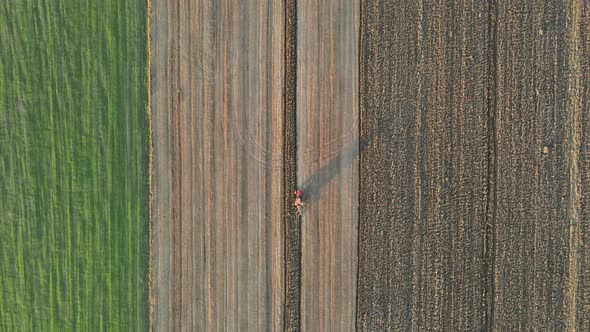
468 208
217 105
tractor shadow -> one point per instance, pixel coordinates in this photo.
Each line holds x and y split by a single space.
312 186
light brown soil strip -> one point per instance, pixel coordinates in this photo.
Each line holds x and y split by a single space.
218 198
327 167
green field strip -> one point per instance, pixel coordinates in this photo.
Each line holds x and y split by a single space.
74 159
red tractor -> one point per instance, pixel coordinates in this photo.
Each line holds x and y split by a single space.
298 202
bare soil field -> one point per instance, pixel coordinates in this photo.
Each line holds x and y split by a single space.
327 161
217 105
474 199
442 151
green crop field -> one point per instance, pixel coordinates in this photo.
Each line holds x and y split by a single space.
74 154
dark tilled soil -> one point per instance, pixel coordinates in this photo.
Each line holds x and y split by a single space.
473 200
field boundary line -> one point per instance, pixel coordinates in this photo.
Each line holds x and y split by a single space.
150 162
